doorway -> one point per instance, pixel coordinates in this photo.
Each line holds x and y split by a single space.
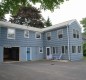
11 54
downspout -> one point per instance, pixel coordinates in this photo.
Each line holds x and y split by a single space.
68 42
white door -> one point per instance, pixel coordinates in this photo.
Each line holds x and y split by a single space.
48 53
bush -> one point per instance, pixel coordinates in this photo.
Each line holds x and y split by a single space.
84 49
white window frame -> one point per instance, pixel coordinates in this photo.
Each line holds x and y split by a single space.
75 49
58 33
49 36
40 48
55 50
36 34
25 33
64 49
79 47
8 34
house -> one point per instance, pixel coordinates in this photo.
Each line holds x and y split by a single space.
23 43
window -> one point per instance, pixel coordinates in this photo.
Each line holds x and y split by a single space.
64 49
77 33
38 35
60 33
79 49
48 36
54 50
74 33
73 49
41 49
11 34
26 34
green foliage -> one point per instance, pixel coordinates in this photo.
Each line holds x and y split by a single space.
84 49
48 22
83 22
12 6
29 16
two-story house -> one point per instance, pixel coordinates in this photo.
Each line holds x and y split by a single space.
23 43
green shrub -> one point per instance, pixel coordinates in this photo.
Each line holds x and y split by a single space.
84 49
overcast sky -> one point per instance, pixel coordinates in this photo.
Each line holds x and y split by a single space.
72 9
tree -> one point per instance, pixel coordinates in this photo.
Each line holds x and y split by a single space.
29 16
83 22
48 22
12 6
84 49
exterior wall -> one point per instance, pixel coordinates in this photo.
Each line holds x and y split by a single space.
75 41
22 43
22 54
36 55
56 42
1 54
19 39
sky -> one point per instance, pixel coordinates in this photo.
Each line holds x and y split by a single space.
72 9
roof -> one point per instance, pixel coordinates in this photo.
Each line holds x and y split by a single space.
12 25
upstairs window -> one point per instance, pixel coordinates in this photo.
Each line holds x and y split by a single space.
26 34
73 49
74 33
79 49
11 33
38 35
48 34
77 33
60 33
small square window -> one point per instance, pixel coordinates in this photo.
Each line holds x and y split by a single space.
48 34
40 49
26 34
11 33
38 35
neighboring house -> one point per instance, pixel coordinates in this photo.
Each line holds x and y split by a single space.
23 43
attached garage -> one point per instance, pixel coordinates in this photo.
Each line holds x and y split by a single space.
11 54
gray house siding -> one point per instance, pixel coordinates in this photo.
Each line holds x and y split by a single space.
19 39
34 43
56 42
22 43
1 54
74 41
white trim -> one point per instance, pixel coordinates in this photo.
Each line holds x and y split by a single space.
25 32
42 50
39 34
30 53
14 33
12 25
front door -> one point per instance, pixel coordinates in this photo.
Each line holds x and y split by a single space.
48 52
28 53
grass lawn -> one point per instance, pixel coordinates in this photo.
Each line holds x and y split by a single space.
84 57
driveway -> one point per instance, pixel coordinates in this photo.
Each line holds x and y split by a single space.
43 70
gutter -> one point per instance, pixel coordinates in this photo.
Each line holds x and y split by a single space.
68 42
